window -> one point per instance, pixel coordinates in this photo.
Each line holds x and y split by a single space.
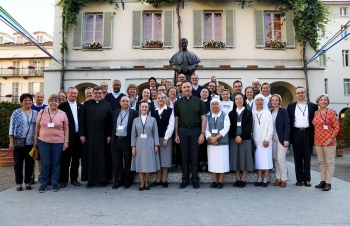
271 25
91 27
152 26
217 25
34 87
343 11
323 60
326 86
346 86
344 32
345 58
19 40
15 92
212 26
1 40
16 65
39 38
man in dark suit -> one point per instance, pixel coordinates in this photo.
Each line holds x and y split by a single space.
70 157
196 89
114 97
122 119
301 114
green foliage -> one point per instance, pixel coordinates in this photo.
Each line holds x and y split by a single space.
154 3
346 128
6 109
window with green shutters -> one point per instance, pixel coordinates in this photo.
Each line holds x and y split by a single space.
152 25
215 25
93 27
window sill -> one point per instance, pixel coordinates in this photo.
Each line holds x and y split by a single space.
92 49
161 48
268 48
208 48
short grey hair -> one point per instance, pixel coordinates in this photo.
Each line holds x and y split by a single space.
322 95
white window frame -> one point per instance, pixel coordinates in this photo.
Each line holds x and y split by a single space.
39 38
345 57
342 10
19 39
153 29
15 92
345 32
213 26
1 39
323 60
272 25
94 27
346 86
326 85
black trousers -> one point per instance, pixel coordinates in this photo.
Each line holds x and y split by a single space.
70 159
121 156
20 155
189 148
302 154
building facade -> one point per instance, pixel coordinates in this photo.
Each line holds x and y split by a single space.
246 33
22 65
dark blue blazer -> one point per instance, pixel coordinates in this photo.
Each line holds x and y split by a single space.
282 125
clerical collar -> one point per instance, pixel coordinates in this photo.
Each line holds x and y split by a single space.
71 102
125 110
37 105
97 101
188 97
205 100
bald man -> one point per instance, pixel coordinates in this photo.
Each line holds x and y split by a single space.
114 97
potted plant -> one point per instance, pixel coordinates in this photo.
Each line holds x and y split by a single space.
93 45
6 155
270 43
214 44
11 67
153 43
340 148
31 67
279 44
346 128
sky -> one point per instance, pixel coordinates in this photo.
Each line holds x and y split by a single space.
33 15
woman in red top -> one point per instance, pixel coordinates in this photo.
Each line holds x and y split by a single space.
326 128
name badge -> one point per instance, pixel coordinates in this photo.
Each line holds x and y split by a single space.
120 127
214 131
305 117
143 135
239 123
325 127
50 124
258 126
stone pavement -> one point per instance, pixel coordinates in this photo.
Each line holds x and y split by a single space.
79 206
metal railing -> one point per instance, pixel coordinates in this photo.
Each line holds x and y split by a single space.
21 72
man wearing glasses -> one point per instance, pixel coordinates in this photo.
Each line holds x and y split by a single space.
301 114
178 86
256 86
95 128
104 87
196 89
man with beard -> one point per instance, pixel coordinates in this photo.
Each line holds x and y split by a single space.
114 97
95 129
104 87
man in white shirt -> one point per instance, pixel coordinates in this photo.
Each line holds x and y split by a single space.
196 89
70 157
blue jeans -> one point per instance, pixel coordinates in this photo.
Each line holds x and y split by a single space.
50 155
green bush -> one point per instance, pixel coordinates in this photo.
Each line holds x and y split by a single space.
346 128
6 109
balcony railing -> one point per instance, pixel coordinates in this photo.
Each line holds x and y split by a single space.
22 72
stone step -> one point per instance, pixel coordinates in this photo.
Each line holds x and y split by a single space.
206 177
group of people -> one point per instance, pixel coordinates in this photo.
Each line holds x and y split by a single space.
199 128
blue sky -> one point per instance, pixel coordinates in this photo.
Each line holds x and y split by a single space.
33 15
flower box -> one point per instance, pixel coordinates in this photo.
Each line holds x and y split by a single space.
11 67
154 45
8 95
31 67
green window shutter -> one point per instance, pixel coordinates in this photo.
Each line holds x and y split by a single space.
137 29
107 30
290 34
78 31
230 28
197 28
41 86
168 33
259 28
30 87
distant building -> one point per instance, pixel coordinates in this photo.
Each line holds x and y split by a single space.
22 65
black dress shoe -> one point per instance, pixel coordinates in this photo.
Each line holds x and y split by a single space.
90 185
141 188
165 184
183 185
195 185
307 183
32 181
236 184
258 184
155 183
242 184
214 185
321 184
28 187
263 184
220 185
327 187
126 186
146 188
299 183
115 186
103 184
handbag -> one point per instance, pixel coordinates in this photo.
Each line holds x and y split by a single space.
34 153
20 142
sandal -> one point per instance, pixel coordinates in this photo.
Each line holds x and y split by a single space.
179 169
19 188
28 187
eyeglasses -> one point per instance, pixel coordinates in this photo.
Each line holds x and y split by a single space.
194 78
98 93
299 93
103 85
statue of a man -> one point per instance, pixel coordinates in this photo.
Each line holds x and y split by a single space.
184 62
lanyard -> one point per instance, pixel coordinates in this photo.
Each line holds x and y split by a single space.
259 117
50 115
302 110
133 102
143 125
325 118
121 121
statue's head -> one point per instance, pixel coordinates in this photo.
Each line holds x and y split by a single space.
184 43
